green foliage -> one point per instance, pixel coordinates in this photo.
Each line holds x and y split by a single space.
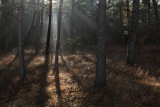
73 44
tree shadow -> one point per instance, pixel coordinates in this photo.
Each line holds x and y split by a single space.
124 88
9 65
42 96
58 89
128 86
75 77
57 80
33 89
8 85
149 59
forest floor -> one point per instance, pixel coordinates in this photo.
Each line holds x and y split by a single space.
126 86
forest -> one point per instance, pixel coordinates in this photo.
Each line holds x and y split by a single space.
80 53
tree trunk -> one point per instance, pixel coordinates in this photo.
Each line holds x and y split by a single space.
157 17
72 19
42 17
133 34
128 15
58 35
121 17
20 46
49 29
101 51
4 25
79 4
149 12
120 21
56 66
148 17
38 28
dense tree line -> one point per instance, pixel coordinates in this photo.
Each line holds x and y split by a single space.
29 23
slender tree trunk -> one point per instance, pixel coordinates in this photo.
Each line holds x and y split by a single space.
58 35
121 17
11 27
148 17
6 26
49 29
79 4
157 17
56 66
149 12
101 51
128 15
72 19
20 46
0 25
133 34
6 39
38 28
120 20
42 17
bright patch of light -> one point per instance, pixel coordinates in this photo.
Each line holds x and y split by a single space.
46 1
53 1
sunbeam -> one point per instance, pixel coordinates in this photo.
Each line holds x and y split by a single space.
80 53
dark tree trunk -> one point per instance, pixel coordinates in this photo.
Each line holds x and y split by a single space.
72 19
6 26
101 49
29 31
133 34
157 17
58 36
49 29
11 27
42 17
128 15
4 39
149 11
38 28
56 66
148 17
79 4
20 46
121 17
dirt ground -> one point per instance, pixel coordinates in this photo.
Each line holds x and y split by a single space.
126 86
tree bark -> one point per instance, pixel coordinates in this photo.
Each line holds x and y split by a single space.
42 17
56 66
101 49
38 28
49 29
133 34
128 15
58 35
20 46
149 12
72 19
148 17
121 17
157 17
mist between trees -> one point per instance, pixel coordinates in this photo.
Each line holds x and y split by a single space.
60 34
